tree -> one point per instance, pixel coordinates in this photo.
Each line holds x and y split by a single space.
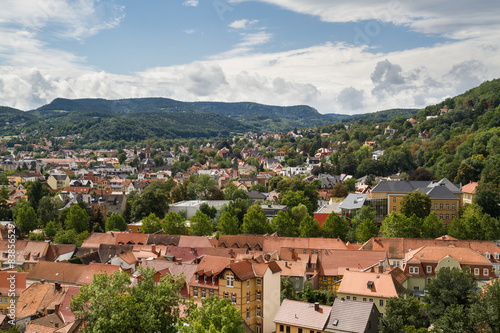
77 219
66 237
486 308
259 187
122 157
210 211
293 199
154 199
450 287
151 224
111 304
287 289
47 211
213 316
201 224
26 219
174 224
309 227
475 225
52 228
199 185
284 225
421 174
116 223
403 314
366 230
228 224
340 190
255 222
488 197
35 192
334 227
432 226
456 318
351 184
416 203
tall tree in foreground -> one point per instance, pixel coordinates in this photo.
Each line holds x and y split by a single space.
255 222
416 203
111 304
403 315
216 315
228 224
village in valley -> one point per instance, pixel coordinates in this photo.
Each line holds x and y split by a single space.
276 233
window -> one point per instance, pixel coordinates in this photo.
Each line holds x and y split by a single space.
248 283
354 298
195 292
226 295
452 216
258 329
414 270
381 302
203 293
325 278
205 278
447 216
497 256
486 271
233 298
248 316
393 208
452 206
488 255
325 288
429 269
259 282
211 293
393 199
259 295
257 312
282 328
435 206
300 330
364 299
440 216
248 297
348 297
288 329
196 277
441 206
416 288
476 271
371 300
447 206
213 279
428 280
229 281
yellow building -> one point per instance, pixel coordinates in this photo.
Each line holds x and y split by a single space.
469 191
446 198
58 180
371 287
254 289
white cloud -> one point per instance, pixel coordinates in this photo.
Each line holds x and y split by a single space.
189 31
243 24
191 3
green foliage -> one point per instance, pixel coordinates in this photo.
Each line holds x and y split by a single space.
416 203
153 199
228 224
255 222
488 197
115 222
111 304
284 225
259 187
66 237
403 314
151 224
201 224
309 227
26 219
398 225
77 219
340 190
334 227
293 199
366 230
174 224
35 191
52 228
210 211
432 227
48 210
310 295
351 184
213 316
486 308
450 287
475 225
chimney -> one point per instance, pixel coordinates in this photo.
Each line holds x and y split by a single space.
57 308
57 286
381 266
153 248
56 325
316 306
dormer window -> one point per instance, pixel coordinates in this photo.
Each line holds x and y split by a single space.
205 278
497 256
488 255
213 279
196 277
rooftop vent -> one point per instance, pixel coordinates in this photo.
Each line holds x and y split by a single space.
369 284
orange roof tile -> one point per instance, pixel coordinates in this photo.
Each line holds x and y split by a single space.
301 314
383 285
93 268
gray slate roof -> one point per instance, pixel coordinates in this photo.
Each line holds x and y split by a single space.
351 316
353 201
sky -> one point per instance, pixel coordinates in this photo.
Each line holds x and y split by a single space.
338 56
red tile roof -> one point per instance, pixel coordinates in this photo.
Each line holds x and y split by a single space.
383 285
301 314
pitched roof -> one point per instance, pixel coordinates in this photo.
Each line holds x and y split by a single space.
242 269
353 201
19 282
337 262
92 268
56 272
38 298
98 238
126 238
163 239
351 316
291 268
463 255
302 314
470 188
159 265
66 314
382 285
194 241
